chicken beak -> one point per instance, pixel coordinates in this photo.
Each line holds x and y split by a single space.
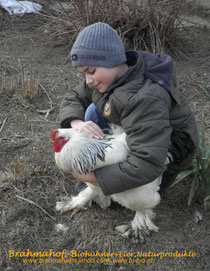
51 141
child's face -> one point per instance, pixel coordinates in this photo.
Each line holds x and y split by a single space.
99 77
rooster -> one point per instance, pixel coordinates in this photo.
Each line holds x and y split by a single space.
77 151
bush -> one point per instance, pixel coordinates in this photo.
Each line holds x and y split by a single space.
142 24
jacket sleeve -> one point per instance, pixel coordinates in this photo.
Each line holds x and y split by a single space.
74 104
146 123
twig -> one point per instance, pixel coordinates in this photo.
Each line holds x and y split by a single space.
4 121
41 119
58 83
51 103
46 112
30 201
48 120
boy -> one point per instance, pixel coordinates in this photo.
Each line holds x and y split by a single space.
136 90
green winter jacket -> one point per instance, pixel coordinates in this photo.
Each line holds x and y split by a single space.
148 105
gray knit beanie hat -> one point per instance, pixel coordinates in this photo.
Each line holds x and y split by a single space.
98 45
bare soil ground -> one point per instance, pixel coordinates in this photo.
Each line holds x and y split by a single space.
30 182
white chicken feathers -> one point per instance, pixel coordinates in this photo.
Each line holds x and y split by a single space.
83 154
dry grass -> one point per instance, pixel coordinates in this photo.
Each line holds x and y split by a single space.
146 25
23 83
20 168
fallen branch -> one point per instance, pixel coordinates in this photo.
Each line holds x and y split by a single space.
30 201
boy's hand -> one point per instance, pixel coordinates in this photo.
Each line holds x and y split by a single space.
89 178
88 127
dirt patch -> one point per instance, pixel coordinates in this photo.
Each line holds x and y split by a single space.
27 199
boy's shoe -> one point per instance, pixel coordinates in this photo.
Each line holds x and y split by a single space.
169 175
79 186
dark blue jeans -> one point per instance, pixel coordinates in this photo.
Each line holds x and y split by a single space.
92 113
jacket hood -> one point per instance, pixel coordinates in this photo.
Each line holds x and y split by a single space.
158 68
